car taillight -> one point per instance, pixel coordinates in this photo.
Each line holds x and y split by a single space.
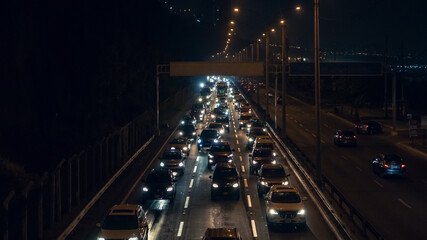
354 136
355 125
340 137
386 165
403 165
366 126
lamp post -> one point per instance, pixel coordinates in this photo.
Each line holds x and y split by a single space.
252 52
284 58
257 59
267 42
317 92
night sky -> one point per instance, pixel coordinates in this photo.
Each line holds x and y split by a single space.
345 24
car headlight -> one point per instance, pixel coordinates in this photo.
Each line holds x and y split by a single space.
180 133
203 111
200 99
145 189
230 160
235 185
210 155
273 212
194 133
249 125
285 183
226 125
264 183
169 189
212 116
101 238
230 156
215 140
254 162
264 129
172 148
185 148
241 122
274 154
133 238
210 161
201 115
273 162
181 164
215 185
221 131
199 140
301 212
162 164
182 122
251 139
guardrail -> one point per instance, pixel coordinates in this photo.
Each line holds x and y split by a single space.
366 229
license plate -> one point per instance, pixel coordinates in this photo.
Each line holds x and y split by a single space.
394 167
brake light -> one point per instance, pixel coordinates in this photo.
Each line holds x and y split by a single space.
403 165
366 126
386 165
340 137
354 136
355 125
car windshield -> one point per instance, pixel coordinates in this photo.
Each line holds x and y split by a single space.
222 119
188 128
209 133
120 222
273 173
263 153
245 117
220 111
171 155
264 145
178 141
159 178
220 148
285 197
393 159
225 173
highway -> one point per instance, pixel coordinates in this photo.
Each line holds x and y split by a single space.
394 205
193 212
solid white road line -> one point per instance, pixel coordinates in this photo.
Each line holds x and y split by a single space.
249 200
191 183
241 159
379 184
254 233
243 168
195 169
404 203
181 226
246 182
186 202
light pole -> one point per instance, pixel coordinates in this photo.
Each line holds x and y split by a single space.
317 92
267 42
252 52
258 80
284 58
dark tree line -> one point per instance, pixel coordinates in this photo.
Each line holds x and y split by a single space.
72 71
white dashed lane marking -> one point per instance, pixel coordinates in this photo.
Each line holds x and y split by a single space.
237 136
243 168
241 158
245 181
195 169
404 203
238 149
181 226
379 184
254 233
187 200
237 141
249 201
191 183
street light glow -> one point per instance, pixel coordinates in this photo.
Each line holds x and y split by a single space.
282 21
232 22
236 10
273 30
298 8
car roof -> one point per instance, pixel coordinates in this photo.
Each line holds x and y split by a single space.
264 139
263 149
124 209
222 232
282 188
224 165
271 166
221 143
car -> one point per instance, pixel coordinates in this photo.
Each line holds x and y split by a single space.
264 142
187 131
225 181
205 92
173 160
222 233
180 144
389 164
269 175
244 120
217 126
345 138
368 127
219 112
225 121
260 156
207 137
219 152
188 120
283 205
198 111
254 132
124 221
159 184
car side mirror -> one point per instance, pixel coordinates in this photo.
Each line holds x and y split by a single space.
98 225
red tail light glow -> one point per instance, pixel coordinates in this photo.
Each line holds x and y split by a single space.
340 137
386 165
354 136
403 165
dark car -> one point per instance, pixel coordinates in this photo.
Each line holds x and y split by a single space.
225 121
217 126
255 123
254 132
219 112
222 234
188 120
369 127
207 137
198 111
260 156
187 131
159 184
173 160
245 120
219 152
345 138
269 175
389 164
225 181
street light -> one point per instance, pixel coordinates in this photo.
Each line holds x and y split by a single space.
236 10
317 92
232 22
284 58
